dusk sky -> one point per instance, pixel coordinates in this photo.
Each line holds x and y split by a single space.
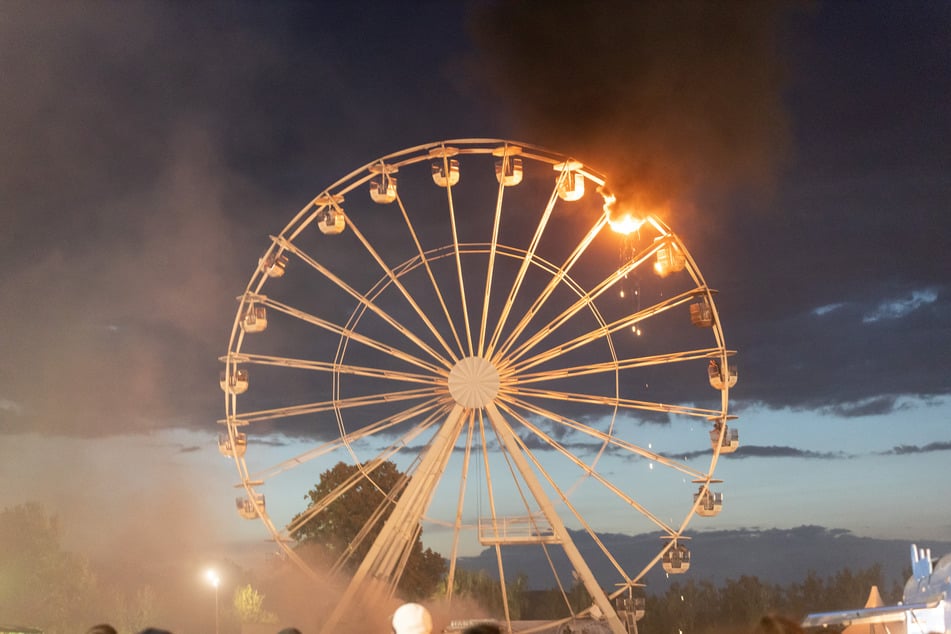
802 152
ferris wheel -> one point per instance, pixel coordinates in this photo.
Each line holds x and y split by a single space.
546 367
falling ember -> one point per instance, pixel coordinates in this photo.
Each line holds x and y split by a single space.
623 223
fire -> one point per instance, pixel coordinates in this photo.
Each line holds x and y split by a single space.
625 222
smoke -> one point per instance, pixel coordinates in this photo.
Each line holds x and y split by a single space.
305 600
119 245
666 97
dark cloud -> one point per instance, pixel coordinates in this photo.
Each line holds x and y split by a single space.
683 101
149 151
773 451
841 364
837 299
870 407
151 148
902 450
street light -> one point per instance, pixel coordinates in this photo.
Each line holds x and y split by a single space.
214 580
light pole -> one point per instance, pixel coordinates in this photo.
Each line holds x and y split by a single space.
214 580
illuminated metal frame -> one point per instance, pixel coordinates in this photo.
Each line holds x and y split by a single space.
504 395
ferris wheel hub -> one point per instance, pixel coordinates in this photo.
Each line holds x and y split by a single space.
473 382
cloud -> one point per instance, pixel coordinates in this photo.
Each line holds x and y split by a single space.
149 152
773 451
868 407
902 450
899 307
141 180
767 451
838 362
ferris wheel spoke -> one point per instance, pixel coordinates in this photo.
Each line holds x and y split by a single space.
580 304
460 503
492 522
517 450
455 246
611 401
362 299
351 334
490 269
611 439
366 431
587 470
523 268
394 280
365 472
485 464
429 272
344 403
599 333
549 289
614 366
383 557
325 366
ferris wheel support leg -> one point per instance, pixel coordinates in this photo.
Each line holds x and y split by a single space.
375 577
508 439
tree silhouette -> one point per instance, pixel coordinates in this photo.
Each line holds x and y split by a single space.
341 533
40 583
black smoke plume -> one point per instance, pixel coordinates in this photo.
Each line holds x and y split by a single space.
666 97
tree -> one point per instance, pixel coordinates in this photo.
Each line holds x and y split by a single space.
249 606
742 602
345 529
40 583
137 610
480 588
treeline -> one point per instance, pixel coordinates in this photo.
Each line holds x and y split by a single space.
699 607
694 606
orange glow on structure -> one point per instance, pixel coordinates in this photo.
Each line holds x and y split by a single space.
624 223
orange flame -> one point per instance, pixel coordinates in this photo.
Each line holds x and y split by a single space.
624 223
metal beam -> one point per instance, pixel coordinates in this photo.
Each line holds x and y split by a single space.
376 574
509 440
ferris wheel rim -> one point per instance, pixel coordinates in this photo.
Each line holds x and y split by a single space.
285 239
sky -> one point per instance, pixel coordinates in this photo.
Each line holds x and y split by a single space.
801 151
